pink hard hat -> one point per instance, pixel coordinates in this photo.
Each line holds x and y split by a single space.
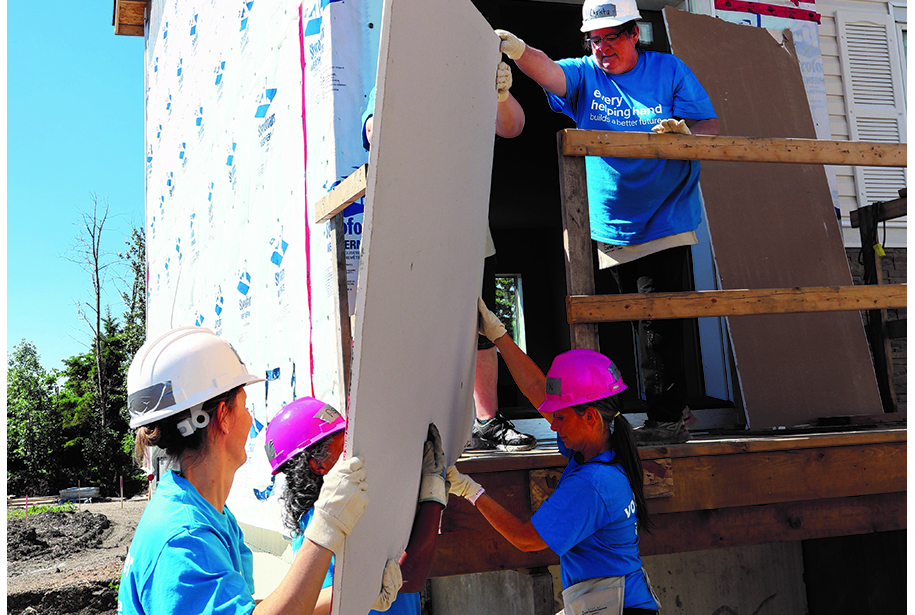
580 376
298 425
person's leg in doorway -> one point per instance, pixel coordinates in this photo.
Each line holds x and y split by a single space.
661 370
491 429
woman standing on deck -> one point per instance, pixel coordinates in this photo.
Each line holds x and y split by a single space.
591 521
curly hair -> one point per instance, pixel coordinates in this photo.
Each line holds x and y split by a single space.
303 484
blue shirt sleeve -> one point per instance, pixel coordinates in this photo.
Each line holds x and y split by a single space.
571 514
195 574
690 98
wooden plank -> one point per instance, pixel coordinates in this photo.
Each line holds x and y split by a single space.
129 17
576 238
752 479
732 149
341 303
342 195
783 522
484 550
888 211
699 304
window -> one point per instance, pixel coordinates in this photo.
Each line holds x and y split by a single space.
509 307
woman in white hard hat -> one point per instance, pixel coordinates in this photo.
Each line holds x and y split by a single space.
186 396
643 213
592 518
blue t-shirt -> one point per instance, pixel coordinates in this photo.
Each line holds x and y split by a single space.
591 524
634 200
404 604
186 557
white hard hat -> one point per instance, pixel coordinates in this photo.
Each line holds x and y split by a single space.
597 14
179 370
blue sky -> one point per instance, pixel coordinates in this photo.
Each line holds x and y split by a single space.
74 128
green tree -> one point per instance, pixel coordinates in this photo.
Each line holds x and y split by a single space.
32 423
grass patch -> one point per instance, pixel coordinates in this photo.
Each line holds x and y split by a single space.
40 508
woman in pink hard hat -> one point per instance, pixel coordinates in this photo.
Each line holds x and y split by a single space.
303 442
592 518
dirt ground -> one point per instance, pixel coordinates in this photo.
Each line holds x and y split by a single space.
69 562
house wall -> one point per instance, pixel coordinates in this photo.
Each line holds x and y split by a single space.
838 104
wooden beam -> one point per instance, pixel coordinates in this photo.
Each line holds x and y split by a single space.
703 303
730 149
482 549
888 211
341 195
129 17
576 239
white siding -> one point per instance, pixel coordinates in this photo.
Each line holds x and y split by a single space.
864 88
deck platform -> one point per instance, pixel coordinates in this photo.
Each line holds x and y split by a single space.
712 492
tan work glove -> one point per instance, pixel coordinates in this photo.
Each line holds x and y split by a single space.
461 484
432 485
503 81
671 125
511 45
391 582
489 324
341 502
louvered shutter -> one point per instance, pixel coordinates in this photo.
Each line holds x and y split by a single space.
874 98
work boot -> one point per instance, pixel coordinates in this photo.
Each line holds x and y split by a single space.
498 433
657 432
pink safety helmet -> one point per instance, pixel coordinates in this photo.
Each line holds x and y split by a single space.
298 425
580 376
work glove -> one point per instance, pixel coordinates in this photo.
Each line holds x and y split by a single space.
488 324
391 582
341 502
432 486
461 484
511 45
503 81
671 125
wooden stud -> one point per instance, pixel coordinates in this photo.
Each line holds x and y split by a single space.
576 238
731 149
341 195
341 303
704 303
888 211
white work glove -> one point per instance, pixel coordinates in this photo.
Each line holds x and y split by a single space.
461 484
671 125
511 45
343 497
488 324
432 486
503 81
391 582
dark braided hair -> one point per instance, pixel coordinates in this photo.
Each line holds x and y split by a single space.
622 442
303 484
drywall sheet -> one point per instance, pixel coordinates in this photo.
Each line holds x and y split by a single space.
424 234
774 226
252 114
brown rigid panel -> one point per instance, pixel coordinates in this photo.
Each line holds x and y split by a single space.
774 226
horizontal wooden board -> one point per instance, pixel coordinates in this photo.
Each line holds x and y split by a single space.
888 211
734 149
705 303
482 549
341 195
